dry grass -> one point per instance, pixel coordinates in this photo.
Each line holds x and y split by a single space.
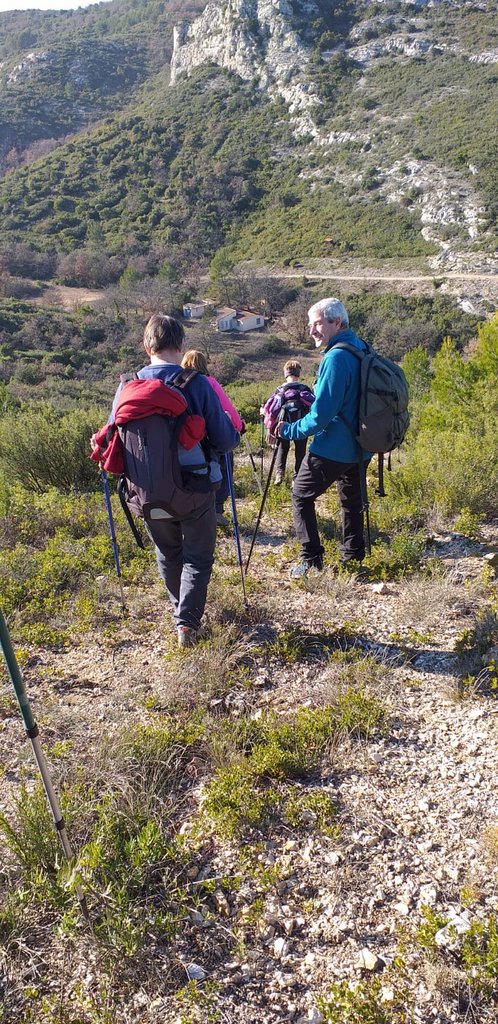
424 602
490 843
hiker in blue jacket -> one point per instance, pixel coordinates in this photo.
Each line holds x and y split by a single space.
333 453
185 548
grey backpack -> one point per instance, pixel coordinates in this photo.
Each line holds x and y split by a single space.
383 415
161 479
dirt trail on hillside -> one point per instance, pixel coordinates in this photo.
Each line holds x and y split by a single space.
477 292
412 800
391 277
484 285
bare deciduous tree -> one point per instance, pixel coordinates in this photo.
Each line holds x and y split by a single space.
294 323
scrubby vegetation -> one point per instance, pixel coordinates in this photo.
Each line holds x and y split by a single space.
189 818
311 784
70 358
208 162
87 63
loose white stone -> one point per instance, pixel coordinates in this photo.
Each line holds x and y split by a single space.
458 924
313 1016
280 947
195 972
368 960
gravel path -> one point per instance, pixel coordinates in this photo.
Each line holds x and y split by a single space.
414 803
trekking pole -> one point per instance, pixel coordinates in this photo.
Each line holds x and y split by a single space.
236 526
365 503
270 471
32 733
262 451
112 532
253 464
380 487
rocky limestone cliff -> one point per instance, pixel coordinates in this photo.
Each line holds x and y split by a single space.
256 39
262 40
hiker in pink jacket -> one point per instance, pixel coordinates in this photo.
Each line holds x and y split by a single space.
195 360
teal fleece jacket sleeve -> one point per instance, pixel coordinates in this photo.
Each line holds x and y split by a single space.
337 391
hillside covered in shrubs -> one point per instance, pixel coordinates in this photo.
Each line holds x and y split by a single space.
324 756
115 156
294 820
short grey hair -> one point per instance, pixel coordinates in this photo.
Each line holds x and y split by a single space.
331 309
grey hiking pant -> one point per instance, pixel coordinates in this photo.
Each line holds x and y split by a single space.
185 555
221 495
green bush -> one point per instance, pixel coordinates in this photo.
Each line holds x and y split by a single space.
240 796
361 1003
41 449
452 462
274 345
248 398
53 548
475 952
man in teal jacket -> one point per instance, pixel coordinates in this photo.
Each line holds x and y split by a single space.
333 454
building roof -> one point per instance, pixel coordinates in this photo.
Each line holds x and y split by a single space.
246 314
225 311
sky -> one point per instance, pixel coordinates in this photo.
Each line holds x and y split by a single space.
45 5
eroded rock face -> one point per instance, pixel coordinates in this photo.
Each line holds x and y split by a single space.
256 39
445 197
270 42
395 44
27 66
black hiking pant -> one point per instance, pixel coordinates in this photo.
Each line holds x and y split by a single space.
283 451
315 476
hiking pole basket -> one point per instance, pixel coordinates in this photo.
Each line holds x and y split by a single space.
32 733
110 518
235 526
268 479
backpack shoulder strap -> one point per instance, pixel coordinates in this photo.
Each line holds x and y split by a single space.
360 353
124 378
182 378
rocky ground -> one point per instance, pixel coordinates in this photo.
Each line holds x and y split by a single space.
416 801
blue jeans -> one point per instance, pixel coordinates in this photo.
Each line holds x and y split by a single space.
185 555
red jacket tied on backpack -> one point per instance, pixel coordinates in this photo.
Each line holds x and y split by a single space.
138 399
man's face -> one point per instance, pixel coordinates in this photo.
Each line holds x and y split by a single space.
322 331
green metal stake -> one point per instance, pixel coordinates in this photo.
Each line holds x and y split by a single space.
32 733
